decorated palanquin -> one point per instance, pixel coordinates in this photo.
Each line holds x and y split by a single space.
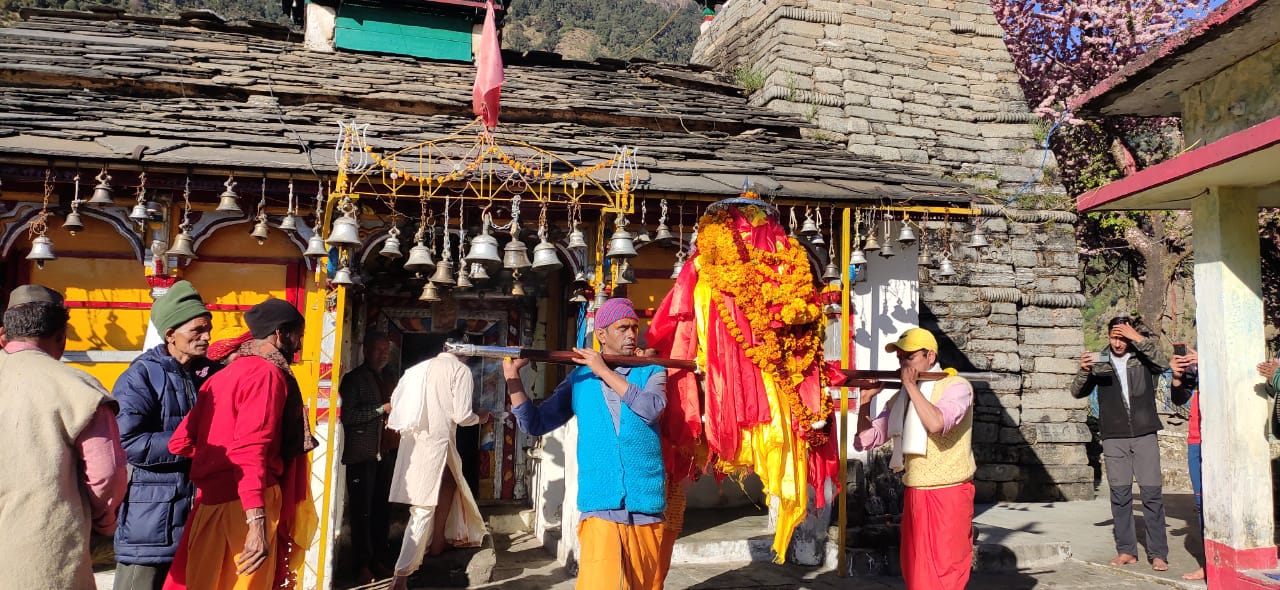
746 308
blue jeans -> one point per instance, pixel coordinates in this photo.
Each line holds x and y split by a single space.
1193 470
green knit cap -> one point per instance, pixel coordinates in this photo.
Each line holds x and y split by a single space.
178 306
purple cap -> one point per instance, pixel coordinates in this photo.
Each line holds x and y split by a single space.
612 310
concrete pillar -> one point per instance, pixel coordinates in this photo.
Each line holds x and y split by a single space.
1239 524
321 24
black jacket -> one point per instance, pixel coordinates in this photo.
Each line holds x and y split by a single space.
1138 417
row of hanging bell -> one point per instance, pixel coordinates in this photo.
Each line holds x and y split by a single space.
183 246
545 258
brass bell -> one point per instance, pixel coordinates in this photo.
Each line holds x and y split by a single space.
626 276
345 233
391 248
817 240
944 268
577 242
809 227
621 245
139 213
289 223
444 273
182 247
102 194
484 249
73 223
601 297
579 296
643 238
978 240
227 201
479 272
581 279
517 289
923 259
545 257
906 237
261 231
315 247
420 259
857 257
872 243
886 250
831 274
41 251
430 293
677 267
342 277
664 237
464 278
515 255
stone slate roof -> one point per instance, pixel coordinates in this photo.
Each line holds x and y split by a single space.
196 92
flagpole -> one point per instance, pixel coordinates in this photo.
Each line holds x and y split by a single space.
846 362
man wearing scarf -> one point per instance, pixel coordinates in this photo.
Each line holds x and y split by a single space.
621 481
930 424
247 438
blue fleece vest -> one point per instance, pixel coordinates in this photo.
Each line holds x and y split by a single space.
616 470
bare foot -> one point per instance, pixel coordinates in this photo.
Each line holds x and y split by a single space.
1159 565
1124 559
1196 575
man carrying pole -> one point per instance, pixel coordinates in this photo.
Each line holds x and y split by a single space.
930 424
621 480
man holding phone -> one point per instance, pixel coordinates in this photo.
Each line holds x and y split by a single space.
1125 374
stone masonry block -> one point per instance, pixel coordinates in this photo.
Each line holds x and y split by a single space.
1042 432
1040 381
1056 365
1045 317
1053 336
998 472
1057 399
1055 454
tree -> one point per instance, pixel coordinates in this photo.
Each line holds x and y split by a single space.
1062 48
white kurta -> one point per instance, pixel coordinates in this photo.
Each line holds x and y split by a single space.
430 401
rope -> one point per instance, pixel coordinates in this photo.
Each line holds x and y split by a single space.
637 48
1066 113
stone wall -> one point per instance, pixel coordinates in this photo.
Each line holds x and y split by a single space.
930 82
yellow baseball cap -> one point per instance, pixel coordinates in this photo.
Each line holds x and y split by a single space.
913 340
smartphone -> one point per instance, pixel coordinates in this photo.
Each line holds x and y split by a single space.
1179 349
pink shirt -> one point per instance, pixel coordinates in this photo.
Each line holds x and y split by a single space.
954 404
102 461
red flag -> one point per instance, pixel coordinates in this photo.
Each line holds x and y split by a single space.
489 76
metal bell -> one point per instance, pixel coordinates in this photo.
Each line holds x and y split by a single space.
664 237
978 240
479 272
643 237
944 268
182 247
261 231
923 259
905 236
430 293
581 279
289 223
227 201
73 223
484 249
626 276
345 233
444 273
886 250
831 274
102 193
872 243
515 255
817 240
517 289
464 278
857 257
577 241
621 245
601 297
809 227
579 296
139 213
41 251
420 259
342 277
545 257
315 247
677 267
391 248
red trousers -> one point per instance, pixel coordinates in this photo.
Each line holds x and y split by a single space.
937 544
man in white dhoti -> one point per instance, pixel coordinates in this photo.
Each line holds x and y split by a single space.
432 399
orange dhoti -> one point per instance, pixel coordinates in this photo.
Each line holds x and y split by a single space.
937 544
212 542
615 556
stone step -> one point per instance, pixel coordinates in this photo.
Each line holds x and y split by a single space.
457 568
508 519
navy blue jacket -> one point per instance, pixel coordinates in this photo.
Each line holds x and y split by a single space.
155 393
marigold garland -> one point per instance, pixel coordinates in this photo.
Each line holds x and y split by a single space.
774 291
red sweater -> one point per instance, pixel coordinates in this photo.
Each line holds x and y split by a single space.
233 433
